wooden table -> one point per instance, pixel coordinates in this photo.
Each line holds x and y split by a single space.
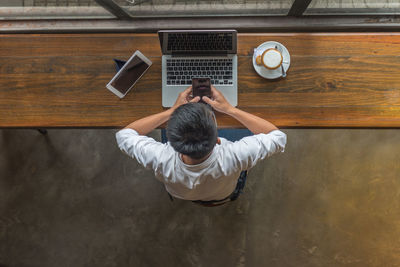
335 80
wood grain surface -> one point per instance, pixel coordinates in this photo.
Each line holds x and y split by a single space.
335 80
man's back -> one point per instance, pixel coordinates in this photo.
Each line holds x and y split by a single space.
213 179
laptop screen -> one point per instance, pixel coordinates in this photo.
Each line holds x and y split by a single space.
198 42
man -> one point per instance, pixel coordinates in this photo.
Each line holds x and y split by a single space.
195 164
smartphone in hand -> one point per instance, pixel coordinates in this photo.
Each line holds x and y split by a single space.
201 87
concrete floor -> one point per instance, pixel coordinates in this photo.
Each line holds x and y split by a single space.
71 198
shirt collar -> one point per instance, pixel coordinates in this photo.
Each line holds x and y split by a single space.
201 165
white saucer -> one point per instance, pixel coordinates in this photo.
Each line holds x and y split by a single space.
264 72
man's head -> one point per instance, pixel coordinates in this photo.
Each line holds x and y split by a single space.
192 130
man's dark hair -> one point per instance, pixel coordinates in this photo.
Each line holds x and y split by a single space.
192 130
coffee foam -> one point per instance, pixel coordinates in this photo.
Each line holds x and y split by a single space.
272 58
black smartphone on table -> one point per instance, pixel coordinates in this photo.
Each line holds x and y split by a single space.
201 87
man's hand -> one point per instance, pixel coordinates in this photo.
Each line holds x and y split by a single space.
185 97
218 101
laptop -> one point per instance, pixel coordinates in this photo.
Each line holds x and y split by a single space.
191 54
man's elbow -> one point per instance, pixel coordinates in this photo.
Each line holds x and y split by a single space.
280 140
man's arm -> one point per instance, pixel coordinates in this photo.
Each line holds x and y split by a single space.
245 153
147 124
254 123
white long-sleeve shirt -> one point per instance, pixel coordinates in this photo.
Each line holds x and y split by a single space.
213 179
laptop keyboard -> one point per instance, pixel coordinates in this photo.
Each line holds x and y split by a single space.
181 71
200 41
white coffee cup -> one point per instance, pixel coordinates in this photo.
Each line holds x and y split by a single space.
270 58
